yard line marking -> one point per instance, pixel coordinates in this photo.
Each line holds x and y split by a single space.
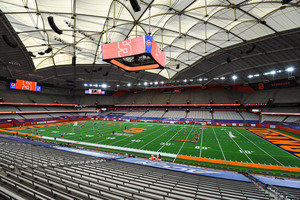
184 142
142 137
239 147
166 142
219 143
132 138
201 141
154 139
259 147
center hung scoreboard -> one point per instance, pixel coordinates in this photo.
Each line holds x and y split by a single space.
25 85
141 53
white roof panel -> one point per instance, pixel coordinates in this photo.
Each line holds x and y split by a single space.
203 27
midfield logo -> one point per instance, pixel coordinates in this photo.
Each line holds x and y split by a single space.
135 130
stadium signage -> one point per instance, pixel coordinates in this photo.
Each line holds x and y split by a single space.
283 83
287 143
25 85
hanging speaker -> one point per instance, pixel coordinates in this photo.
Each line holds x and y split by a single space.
228 60
135 5
74 60
53 25
48 50
31 54
252 49
178 65
106 73
8 42
285 1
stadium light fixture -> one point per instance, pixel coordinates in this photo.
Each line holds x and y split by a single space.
151 83
95 85
200 79
128 84
104 85
85 85
250 76
273 72
139 84
205 79
191 80
256 75
279 71
155 82
118 85
185 80
216 78
234 77
162 82
222 78
91 85
145 84
290 69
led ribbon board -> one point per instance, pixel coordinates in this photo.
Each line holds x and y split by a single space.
136 54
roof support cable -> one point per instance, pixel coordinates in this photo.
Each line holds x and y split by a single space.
114 19
185 42
26 5
188 52
162 39
74 38
136 30
37 21
106 32
149 33
206 15
205 30
234 14
179 25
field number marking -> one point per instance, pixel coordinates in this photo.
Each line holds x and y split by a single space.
136 140
198 147
167 144
246 151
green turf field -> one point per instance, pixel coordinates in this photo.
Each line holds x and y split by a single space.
170 140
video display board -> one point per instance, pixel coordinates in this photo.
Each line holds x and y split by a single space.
94 91
25 85
135 54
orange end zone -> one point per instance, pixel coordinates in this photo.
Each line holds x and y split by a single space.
260 166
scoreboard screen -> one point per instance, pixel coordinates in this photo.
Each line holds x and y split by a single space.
141 53
94 91
25 85
124 48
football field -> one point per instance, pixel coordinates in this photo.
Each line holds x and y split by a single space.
175 141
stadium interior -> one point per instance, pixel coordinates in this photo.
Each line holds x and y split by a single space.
227 70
